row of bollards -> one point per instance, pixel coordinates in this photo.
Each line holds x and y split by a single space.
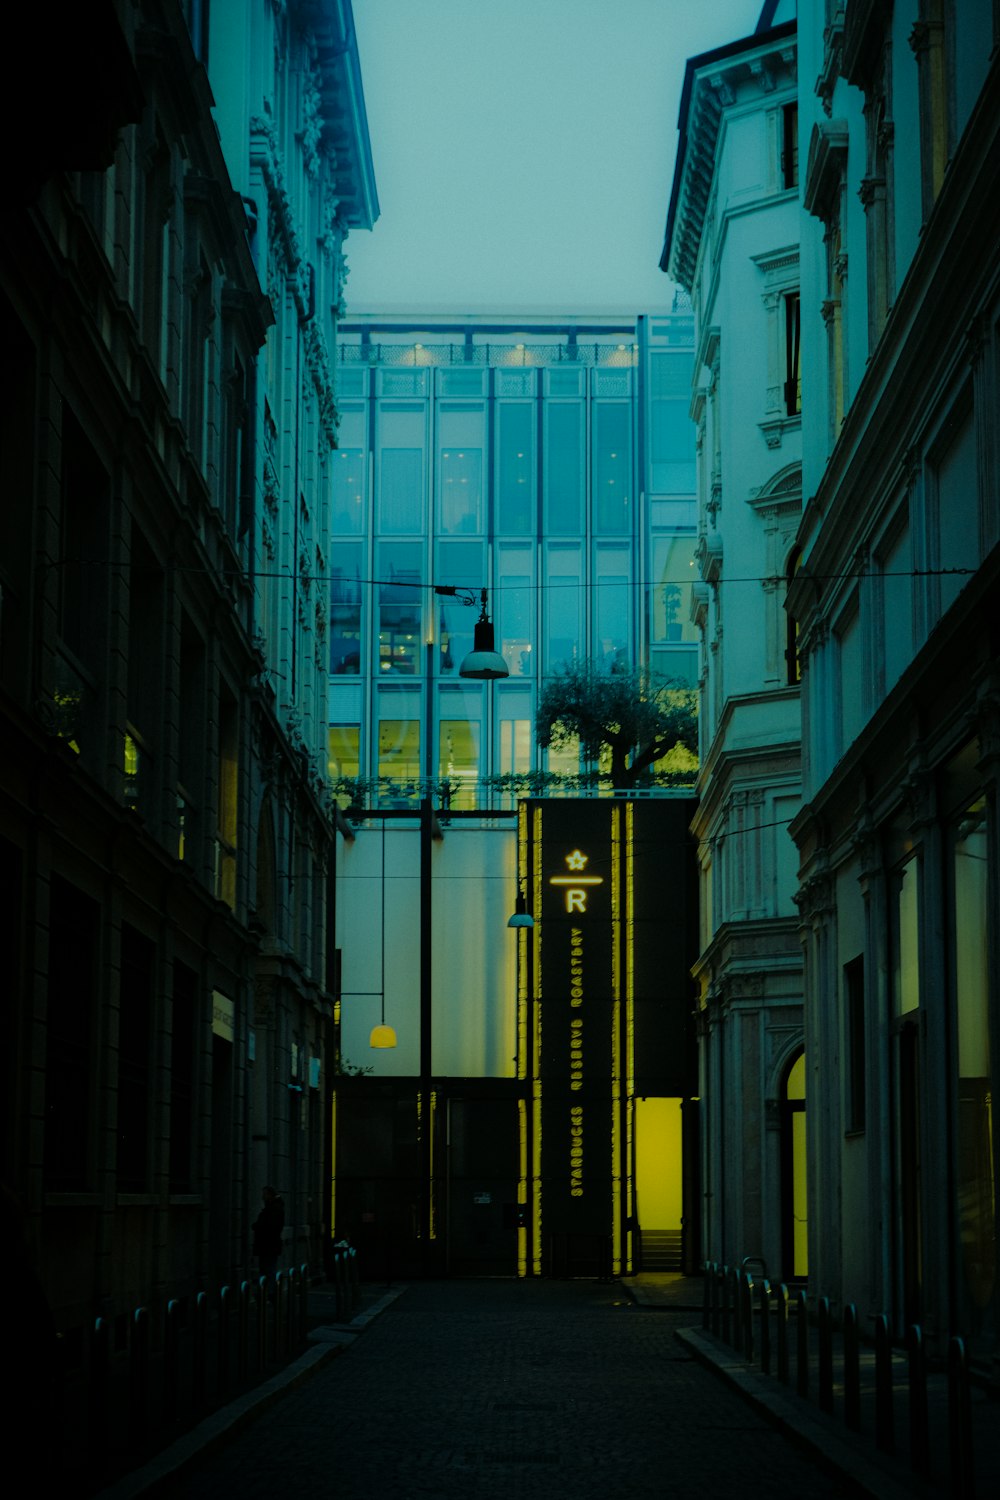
271 1321
346 1282
728 1312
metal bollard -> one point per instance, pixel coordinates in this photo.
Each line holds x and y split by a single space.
917 1354
725 1303
884 1435
139 1377
243 1335
765 1326
97 1391
825 1322
225 1336
291 1304
963 1474
782 1313
706 1296
303 1302
746 1315
802 1338
280 1300
261 1322
171 1359
852 1369
200 1349
355 1270
716 1298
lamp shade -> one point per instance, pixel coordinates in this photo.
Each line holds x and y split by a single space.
483 661
522 916
382 1036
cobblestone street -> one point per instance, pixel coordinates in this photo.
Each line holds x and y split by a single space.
505 1388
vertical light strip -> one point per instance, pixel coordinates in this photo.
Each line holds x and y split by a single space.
333 1164
522 1187
536 1059
420 1136
616 1043
523 935
432 1225
629 1033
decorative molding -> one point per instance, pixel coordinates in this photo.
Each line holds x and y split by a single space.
826 165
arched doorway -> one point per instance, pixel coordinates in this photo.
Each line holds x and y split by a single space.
794 1210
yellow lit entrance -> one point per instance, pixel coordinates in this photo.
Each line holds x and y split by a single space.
659 1182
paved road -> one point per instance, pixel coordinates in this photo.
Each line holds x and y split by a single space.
504 1390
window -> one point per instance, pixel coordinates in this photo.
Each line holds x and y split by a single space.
790 146
515 468
561 602
191 748
673 576
515 745
671 431
399 629
228 772
145 654
793 356
345 611
793 662
458 752
135 1020
563 468
154 265
460 473
459 565
344 750
854 1008
612 452
183 1030
401 468
83 556
905 941
348 491
399 746
514 615
73 950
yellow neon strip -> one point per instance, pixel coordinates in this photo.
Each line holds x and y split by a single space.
522 1186
432 1221
630 1025
536 1061
576 880
333 1165
522 952
616 1043
420 1136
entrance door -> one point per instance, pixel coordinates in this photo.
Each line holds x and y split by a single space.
659 1183
794 1202
482 1214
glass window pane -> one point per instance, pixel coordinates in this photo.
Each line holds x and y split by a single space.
348 491
399 749
671 431
562 609
459 565
563 469
399 629
673 577
345 611
906 960
344 750
458 759
460 444
515 509
611 468
515 746
514 617
401 490
611 620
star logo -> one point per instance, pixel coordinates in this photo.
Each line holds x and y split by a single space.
576 860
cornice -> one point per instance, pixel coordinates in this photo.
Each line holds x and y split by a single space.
825 167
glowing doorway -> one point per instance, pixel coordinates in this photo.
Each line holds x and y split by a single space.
659 1184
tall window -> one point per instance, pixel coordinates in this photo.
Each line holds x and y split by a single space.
793 662
73 950
793 356
145 652
976 1182
855 1026
183 1032
671 431
563 468
135 1025
399 626
515 468
790 146
344 750
460 474
227 802
459 565
345 610
612 452
401 468
348 491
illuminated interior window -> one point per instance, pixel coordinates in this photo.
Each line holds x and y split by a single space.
348 491
399 749
344 754
514 614
400 601
458 759
612 449
515 467
515 746
345 611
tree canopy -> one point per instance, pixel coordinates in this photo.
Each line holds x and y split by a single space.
619 711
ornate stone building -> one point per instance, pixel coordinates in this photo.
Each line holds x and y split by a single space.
171 273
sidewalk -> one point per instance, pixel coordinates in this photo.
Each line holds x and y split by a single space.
852 1454
326 1338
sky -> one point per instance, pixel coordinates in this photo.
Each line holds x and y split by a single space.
524 149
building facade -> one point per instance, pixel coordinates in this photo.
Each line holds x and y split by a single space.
547 460
166 832
732 241
895 608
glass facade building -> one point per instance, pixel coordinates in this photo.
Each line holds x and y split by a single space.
551 462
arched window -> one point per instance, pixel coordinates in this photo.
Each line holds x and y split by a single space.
794 1210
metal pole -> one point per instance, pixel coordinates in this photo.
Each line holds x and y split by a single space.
963 1474
919 1445
884 1435
852 1369
825 1355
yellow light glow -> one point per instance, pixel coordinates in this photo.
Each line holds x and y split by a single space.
382 1036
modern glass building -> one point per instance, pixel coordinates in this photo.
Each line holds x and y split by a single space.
548 460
